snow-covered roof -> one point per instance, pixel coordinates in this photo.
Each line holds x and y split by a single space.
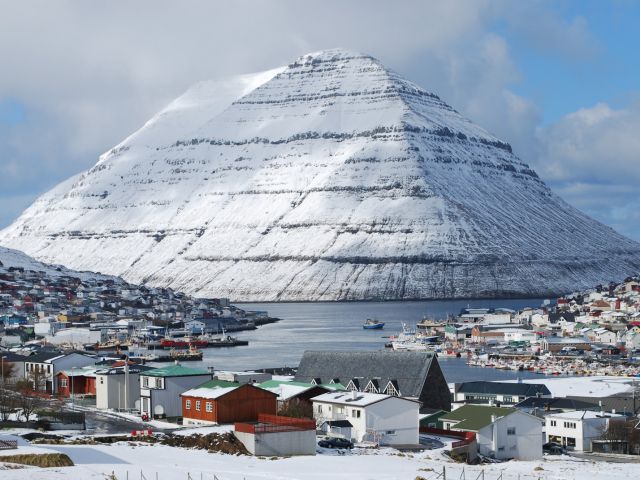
358 399
211 393
580 415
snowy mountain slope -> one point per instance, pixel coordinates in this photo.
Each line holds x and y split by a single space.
14 258
332 178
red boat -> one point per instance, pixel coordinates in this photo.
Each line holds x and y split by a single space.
184 342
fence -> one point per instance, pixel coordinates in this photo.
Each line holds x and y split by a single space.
8 444
275 423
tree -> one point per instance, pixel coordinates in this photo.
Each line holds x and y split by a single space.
8 372
297 409
7 404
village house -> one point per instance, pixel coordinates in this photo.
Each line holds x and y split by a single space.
575 430
42 368
543 406
497 392
297 394
501 433
77 381
412 375
362 416
217 402
118 386
160 389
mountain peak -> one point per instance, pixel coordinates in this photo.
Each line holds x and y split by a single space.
333 178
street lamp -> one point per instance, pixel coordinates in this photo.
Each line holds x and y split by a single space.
2 363
73 397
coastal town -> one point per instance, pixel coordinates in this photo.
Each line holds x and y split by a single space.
70 344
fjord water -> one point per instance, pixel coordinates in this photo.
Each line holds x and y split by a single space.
338 326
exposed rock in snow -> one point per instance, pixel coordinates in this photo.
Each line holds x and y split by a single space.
332 178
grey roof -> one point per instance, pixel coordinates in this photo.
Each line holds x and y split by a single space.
557 403
409 369
504 388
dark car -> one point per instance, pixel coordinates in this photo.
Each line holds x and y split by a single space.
335 442
553 448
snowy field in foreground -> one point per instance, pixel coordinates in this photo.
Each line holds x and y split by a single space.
95 462
584 386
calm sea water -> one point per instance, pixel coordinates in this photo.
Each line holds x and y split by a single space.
338 326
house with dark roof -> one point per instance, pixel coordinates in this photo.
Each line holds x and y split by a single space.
42 368
503 393
542 406
160 389
412 375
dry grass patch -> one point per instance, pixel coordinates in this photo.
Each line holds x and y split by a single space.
45 460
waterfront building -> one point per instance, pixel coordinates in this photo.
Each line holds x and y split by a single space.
575 430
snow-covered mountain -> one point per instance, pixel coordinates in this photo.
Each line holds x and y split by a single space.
331 178
13 258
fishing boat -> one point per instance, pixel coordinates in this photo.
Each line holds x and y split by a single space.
184 342
373 324
193 354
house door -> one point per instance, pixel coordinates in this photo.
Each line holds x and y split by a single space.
146 405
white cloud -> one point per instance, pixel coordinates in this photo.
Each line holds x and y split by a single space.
592 158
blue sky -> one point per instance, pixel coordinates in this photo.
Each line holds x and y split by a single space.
559 80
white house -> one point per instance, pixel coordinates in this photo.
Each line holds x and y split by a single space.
119 389
576 429
502 433
362 416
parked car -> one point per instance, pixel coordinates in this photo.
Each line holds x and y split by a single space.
553 448
335 442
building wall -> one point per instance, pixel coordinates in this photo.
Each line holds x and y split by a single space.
168 398
298 442
110 391
395 420
524 444
585 430
240 405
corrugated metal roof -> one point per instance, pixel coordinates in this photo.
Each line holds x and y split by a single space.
174 371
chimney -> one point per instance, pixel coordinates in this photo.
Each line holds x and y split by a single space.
354 394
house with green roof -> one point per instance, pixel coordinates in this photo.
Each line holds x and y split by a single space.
501 433
160 389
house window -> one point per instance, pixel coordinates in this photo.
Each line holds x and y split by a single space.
101 381
571 442
390 432
355 413
569 425
511 431
501 449
187 405
553 423
158 383
319 408
145 382
209 407
371 388
391 390
198 402
63 382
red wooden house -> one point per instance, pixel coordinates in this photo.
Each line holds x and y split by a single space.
225 402
79 381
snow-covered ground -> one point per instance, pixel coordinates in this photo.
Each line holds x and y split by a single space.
169 463
584 386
